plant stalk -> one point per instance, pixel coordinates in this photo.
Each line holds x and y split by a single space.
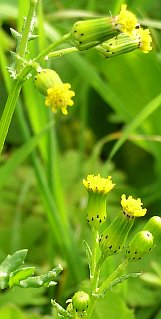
27 30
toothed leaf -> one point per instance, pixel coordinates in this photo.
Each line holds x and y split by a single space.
16 35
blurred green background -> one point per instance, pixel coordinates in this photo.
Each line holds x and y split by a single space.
113 128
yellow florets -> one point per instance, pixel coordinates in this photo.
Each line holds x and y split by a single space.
98 184
59 97
132 207
144 40
126 21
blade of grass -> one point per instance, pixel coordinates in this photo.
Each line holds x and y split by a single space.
19 156
151 107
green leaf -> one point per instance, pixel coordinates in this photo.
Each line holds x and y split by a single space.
88 253
11 263
60 310
13 312
24 297
20 274
42 280
119 280
112 306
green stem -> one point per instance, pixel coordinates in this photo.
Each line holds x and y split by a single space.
60 53
21 51
51 47
106 284
94 254
8 111
95 271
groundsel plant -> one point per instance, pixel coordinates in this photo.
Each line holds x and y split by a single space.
109 36
111 241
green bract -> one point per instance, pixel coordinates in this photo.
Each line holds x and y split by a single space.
154 226
80 301
46 79
139 246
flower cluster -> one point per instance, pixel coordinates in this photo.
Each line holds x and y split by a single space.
113 239
109 36
112 35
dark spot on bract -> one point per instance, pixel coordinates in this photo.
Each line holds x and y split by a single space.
92 219
110 247
97 216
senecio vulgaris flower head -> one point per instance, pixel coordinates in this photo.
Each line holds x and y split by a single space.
124 43
58 94
98 189
114 237
132 207
89 33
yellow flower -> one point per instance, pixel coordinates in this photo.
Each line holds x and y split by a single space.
59 97
126 21
98 189
58 94
132 207
124 43
98 184
144 40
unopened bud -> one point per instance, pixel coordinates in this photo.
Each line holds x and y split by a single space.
140 245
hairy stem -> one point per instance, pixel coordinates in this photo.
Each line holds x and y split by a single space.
28 27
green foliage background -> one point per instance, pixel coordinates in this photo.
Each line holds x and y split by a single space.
114 128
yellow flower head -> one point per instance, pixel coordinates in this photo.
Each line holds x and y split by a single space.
97 184
59 97
144 40
58 94
132 207
126 21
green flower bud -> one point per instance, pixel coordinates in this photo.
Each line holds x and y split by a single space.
124 43
114 237
139 246
98 189
80 301
89 33
154 226
46 79
120 44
